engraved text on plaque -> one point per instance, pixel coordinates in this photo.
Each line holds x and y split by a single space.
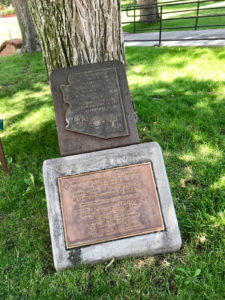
95 104
110 204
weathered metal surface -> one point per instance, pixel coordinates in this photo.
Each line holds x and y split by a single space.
110 204
95 104
2 159
93 108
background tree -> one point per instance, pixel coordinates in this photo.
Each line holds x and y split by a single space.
28 30
149 13
78 32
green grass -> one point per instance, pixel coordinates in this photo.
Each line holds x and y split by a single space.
172 13
179 97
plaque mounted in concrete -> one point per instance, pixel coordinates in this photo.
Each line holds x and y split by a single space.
111 204
93 108
114 203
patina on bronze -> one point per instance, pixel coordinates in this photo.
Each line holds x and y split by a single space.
93 108
110 204
95 104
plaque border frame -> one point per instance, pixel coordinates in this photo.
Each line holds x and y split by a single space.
162 228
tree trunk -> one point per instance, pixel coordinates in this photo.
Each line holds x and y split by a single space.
76 32
149 12
29 34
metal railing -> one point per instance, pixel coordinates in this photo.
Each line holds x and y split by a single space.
2 155
165 10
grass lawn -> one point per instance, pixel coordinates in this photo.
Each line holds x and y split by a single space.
179 94
173 12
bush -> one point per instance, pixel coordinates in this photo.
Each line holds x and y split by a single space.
5 2
6 9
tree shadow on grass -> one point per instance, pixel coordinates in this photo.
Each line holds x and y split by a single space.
23 204
182 116
187 119
16 68
25 108
33 146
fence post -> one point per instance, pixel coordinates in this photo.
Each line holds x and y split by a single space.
196 20
160 26
2 159
2 155
134 19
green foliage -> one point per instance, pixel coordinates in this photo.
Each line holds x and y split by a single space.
7 8
7 11
5 2
179 97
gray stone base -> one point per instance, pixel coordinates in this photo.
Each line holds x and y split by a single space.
147 244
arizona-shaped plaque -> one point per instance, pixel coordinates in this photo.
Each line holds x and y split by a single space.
93 107
111 204
95 104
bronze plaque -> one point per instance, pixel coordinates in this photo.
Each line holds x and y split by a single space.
110 204
93 108
95 104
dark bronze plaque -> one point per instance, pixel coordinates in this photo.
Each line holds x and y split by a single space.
111 204
93 108
95 104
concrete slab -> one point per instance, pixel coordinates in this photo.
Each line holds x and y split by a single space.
146 244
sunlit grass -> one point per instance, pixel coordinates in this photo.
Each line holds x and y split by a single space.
179 95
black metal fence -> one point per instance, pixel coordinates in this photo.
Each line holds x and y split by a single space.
169 8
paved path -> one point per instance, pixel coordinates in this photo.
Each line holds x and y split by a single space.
173 35
9 29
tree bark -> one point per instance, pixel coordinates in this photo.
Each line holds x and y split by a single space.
149 12
76 32
29 34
